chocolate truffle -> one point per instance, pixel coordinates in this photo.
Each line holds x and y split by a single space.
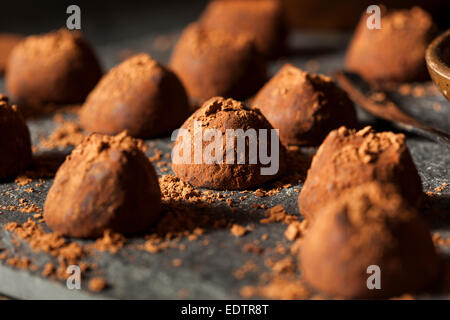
107 182
7 42
228 166
59 68
216 63
305 107
140 96
370 225
260 19
15 142
348 158
396 52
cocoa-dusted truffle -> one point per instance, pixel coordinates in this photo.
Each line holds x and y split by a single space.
15 142
260 19
7 42
396 52
58 67
216 63
105 183
370 225
348 158
140 96
232 120
305 107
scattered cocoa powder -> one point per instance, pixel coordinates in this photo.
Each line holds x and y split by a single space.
66 135
278 214
22 181
111 242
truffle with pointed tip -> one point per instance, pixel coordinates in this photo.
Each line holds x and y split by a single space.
348 158
396 52
107 182
222 171
140 96
15 142
217 63
59 67
305 107
369 225
260 19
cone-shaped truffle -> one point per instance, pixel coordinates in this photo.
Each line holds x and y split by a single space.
196 156
15 142
305 107
369 227
216 63
396 52
348 158
140 96
59 67
260 19
106 183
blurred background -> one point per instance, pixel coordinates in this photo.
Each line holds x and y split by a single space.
115 18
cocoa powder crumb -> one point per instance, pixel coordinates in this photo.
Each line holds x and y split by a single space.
278 214
238 230
278 288
111 242
97 284
48 270
22 180
177 262
296 229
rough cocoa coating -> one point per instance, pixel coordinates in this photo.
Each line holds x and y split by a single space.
370 224
260 19
348 158
305 107
219 113
105 183
396 52
216 63
7 42
140 96
58 67
15 142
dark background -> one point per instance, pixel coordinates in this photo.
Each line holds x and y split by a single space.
116 19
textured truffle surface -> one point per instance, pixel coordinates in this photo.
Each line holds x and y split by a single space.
222 114
15 142
260 19
370 225
216 63
394 53
305 107
105 183
7 43
348 158
140 96
58 67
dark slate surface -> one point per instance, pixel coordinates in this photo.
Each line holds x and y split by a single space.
207 271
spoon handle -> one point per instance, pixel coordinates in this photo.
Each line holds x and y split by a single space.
387 110
427 132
